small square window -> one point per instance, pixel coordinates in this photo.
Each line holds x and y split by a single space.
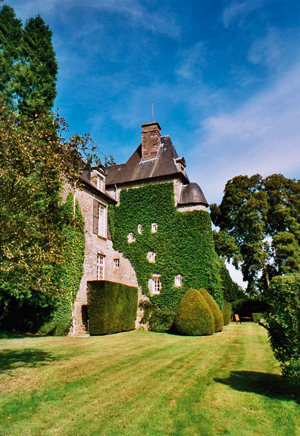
178 281
131 237
117 263
154 227
151 256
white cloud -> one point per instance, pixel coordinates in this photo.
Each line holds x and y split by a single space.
238 10
262 136
160 21
191 60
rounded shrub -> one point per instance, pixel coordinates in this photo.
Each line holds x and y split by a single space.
193 316
217 314
227 312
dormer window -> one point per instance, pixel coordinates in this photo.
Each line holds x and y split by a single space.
151 256
154 227
178 281
100 183
131 237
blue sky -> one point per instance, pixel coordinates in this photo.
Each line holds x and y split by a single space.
224 77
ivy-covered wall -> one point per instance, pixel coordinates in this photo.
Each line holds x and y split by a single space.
183 243
69 275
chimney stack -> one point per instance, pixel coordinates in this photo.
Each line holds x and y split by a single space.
150 140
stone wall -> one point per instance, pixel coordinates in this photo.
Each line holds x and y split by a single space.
95 244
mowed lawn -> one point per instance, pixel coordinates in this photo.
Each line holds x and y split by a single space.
142 383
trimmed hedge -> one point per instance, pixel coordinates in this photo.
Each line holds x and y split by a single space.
227 312
256 317
284 323
217 314
193 315
112 307
246 306
183 243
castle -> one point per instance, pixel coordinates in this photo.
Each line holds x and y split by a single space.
154 162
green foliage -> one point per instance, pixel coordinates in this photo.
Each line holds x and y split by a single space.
159 320
27 64
284 323
227 312
69 274
226 247
263 217
215 310
183 243
32 161
193 316
246 306
111 306
256 317
43 313
231 290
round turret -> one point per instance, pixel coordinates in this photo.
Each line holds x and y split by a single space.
192 195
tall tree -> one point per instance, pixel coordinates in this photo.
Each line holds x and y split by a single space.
35 161
263 217
28 64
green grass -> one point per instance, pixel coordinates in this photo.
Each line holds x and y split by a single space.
142 383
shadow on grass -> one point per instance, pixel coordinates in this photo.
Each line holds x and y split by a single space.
269 385
28 358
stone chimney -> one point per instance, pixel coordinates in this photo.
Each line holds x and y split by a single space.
150 140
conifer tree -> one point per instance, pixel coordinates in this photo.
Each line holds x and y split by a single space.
28 64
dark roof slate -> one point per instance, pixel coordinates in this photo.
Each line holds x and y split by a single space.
192 194
136 170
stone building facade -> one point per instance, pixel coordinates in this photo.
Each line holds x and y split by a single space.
155 161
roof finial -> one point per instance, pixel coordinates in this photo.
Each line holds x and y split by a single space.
152 112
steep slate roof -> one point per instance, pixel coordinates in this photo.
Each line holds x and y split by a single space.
191 195
136 170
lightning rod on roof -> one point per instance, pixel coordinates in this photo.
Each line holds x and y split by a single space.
152 112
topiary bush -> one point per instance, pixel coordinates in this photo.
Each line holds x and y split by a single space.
112 307
227 312
217 314
193 316
284 323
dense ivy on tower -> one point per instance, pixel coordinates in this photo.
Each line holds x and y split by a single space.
183 244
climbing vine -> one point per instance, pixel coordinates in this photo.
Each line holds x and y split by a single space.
183 243
68 276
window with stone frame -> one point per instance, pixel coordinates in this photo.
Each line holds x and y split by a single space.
140 229
151 256
100 183
154 284
100 266
178 281
99 219
154 227
116 263
131 237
